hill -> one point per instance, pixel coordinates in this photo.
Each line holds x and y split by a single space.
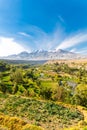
46 114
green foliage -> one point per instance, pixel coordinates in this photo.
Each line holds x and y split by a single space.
1 75
32 75
15 123
21 89
17 76
81 95
3 87
46 92
50 81
47 89
4 66
31 127
39 112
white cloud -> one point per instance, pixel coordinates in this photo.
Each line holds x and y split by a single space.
73 50
43 40
36 39
8 46
25 34
72 41
58 39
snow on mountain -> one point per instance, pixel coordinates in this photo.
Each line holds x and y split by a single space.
44 55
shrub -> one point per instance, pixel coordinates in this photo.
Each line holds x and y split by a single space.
31 127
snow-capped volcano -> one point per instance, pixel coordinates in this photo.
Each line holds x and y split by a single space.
44 55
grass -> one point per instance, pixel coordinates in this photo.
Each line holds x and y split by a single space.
49 84
47 114
15 123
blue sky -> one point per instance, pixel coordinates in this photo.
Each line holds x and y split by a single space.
27 25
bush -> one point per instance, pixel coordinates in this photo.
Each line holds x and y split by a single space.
13 123
80 95
31 127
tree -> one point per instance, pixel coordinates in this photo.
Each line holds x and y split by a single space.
3 87
46 92
32 75
4 66
1 75
80 95
17 76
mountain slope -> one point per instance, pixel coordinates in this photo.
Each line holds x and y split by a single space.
44 55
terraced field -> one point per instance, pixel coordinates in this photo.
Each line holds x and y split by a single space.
47 114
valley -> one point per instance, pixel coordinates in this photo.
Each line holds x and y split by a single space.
47 96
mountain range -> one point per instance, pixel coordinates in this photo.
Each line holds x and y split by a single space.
44 55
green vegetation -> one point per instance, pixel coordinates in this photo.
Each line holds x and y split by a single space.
15 123
40 112
32 93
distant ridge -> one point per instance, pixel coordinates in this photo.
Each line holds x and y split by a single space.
44 55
